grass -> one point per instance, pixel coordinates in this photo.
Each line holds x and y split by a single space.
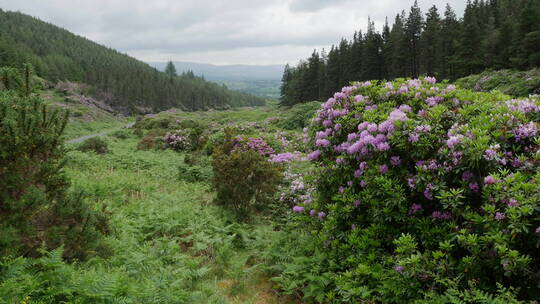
169 244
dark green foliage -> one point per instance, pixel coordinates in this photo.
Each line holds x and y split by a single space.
515 83
244 180
121 134
95 144
35 210
493 34
196 168
126 83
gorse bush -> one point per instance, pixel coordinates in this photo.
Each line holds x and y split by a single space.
244 178
425 192
36 211
94 144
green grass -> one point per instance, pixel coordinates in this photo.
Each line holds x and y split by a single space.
169 244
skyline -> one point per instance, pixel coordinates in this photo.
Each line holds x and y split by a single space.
218 32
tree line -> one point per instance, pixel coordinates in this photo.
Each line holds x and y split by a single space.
492 34
123 81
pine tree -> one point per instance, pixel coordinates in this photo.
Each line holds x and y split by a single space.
170 69
449 34
430 43
413 32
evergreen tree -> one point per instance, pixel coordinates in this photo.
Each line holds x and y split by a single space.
413 31
449 34
170 69
431 45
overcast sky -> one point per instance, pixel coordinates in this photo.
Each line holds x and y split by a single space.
218 31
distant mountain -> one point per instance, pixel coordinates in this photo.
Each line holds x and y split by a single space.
227 72
123 82
259 80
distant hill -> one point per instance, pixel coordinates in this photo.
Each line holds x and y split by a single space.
124 82
227 72
259 80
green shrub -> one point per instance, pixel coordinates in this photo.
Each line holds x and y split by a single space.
425 192
299 116
121 134
244 179
36 211
152 140
94 144
195 173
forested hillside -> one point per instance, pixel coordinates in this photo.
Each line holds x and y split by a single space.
123 81
496 34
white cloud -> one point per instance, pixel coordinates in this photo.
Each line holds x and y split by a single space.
217 31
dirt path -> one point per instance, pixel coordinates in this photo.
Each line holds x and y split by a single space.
83 138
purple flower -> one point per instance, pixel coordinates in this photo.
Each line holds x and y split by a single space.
490 154
322 215
512 203
538 230
415 208
429 79
357 203
359 98
428 192
298 209
453 141
524 131
467 175
499 216
489 180
383 169
405 108
441 215
434 100
395 160
322 143
413 137
341 189
353 226
411 182
363 183
312 212
384 146
474 187
314 155
399 268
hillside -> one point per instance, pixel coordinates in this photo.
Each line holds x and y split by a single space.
124 82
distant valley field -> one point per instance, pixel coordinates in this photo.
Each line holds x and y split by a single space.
260 80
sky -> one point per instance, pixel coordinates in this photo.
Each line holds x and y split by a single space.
257 32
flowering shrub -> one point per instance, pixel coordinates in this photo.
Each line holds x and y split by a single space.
243 177
426 191
256 144
178 140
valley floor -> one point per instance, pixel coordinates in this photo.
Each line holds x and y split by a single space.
168 243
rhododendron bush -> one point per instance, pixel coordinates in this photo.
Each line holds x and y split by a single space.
425 189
